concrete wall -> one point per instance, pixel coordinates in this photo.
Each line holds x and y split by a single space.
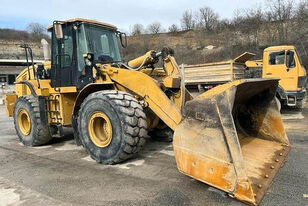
12 50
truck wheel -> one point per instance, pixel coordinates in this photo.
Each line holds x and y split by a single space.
112 126
300 104
27 121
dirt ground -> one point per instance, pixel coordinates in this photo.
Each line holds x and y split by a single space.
63 174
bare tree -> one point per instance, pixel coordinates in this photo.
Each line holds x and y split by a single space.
223 24
187 20
281 9
137 29
252 23
37 31
237 17
36 28
302 10
154 28
301 18
207 18
173 28
302 14
281 12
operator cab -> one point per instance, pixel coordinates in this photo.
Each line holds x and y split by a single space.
74 42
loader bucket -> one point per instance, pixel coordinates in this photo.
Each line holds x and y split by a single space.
232 138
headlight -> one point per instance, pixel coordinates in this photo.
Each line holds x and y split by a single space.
88 62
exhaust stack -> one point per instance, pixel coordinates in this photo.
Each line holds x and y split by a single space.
46 50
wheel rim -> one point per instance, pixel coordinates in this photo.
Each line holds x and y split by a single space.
100 129
24 122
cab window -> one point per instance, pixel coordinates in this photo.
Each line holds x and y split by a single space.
63 49
67 49
299 57
102 42
276 58
81 46
290 59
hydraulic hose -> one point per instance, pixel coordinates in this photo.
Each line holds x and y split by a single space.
138 68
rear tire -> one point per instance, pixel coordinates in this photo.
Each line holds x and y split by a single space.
29 127
112 126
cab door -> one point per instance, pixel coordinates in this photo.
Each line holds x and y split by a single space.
63 59
281 64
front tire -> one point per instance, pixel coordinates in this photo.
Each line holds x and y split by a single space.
112 126
29 127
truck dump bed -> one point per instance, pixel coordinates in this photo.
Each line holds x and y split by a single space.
201 76
216 73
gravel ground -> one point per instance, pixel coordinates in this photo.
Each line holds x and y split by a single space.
61 173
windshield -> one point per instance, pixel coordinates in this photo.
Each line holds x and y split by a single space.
102 42
299 57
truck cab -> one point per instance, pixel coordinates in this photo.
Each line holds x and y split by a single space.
283 62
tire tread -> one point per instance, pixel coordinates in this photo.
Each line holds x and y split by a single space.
132 117
41 135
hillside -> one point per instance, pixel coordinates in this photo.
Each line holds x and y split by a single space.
191 47
197 46
11 39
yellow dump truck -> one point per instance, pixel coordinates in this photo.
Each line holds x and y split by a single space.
284 62
281 62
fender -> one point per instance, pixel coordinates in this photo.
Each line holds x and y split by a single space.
29 85
90 88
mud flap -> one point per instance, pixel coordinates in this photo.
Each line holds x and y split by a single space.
232 137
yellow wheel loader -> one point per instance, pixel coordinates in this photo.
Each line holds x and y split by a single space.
231 137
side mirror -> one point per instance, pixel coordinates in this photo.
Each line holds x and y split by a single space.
58 30
123 39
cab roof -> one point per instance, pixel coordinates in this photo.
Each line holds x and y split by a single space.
282 47
88 21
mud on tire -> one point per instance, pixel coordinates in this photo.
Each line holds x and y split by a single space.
39 133
128 121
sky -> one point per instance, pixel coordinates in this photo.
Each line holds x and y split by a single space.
17 14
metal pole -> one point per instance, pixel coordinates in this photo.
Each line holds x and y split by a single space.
183 89
34 73
25 47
